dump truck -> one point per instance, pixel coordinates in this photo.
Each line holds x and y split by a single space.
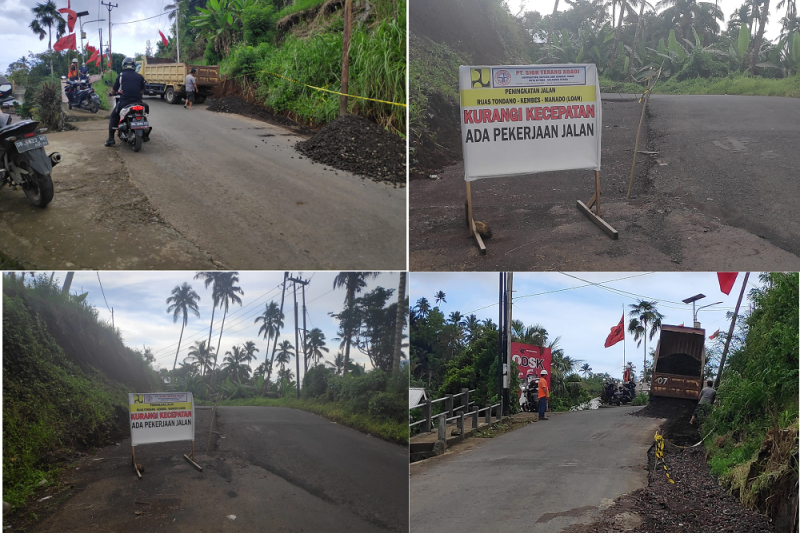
678 363
166 79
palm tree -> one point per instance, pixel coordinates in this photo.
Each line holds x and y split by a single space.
315 345
398 324
624 6
423 307
759 36
440 297
337 365
236 363
224 293
46 15
586 370
639 24
250 349
353 282
271 324
473 327
285 353
200 356
183 300
644 315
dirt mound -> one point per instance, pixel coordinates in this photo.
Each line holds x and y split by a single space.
234 104
357 145
694 503
678 412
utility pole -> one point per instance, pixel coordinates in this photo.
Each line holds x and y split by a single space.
507 347
348 15
278 332
500 333
109 6
295 281
102 65
178 30
730 332
80 25
67 282
305 332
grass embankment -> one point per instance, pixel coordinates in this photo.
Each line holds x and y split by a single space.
739 84
390 430
753 442
102 87
57 396
377 71
432 69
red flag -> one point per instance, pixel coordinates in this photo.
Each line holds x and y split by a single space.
65 43
91 49
72 16
713 335
617 333
97 53
681 325
110 64
95 57
163 39
726 281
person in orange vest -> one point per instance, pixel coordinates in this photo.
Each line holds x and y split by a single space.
544 396
73 70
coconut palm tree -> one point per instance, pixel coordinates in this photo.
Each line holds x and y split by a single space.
473 328
45 16
200 357
625 6
353 283
285 353
759 36
315 345
183 300
224 293
398 324
236 363
337 365
271 324
586 370
643 316
440 297
423 307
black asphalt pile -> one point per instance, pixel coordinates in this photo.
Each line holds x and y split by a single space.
681 364
695 503
678 412
355 144
235 105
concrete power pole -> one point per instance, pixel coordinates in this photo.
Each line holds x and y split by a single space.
295 281
109 6
280 317
305 333
500 334
730 332
507 354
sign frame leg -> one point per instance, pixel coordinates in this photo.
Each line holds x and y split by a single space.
594 216
471 222
197 466
133 458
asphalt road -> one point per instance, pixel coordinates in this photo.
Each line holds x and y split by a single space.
238 189
735 157
364 475
268 469
540 478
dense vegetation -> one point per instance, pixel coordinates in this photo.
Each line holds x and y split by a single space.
260 43
65 380
754 425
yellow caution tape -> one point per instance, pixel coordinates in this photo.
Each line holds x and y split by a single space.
660 454
330 91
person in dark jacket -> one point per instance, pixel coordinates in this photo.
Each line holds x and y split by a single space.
130 86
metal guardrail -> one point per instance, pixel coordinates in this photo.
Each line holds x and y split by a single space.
453 413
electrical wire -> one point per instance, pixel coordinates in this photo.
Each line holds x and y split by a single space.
102 291
141 20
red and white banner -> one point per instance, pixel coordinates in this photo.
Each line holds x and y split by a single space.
531 360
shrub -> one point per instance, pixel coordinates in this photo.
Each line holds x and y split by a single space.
315 382
388 405
259 23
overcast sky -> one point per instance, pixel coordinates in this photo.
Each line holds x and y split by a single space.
140 309
728 7
128 39
584 315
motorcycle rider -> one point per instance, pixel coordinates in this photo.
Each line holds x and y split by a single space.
130 86
73 71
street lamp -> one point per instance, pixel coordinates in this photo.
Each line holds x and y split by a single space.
696 323
82 32
692 300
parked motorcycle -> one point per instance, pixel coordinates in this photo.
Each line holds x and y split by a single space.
529 401
6 91
81 95
133 126
23 162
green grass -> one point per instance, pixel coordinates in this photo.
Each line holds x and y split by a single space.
299 5
740 84
390 430
102 89
433 68
641 399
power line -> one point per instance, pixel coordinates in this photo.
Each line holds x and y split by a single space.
102 291
141 20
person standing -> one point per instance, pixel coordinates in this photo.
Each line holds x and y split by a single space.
84 71
191 88
544 396
73 70
705 400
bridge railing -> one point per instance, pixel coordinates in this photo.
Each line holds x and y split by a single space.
452 413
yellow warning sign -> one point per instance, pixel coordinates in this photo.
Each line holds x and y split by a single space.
528 95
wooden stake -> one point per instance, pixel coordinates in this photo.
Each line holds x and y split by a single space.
597 191
470 223
133 452
348 10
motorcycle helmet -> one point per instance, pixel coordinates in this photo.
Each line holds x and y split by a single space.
128 63
544 372
74 60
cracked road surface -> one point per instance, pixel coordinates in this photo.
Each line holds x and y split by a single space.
540 478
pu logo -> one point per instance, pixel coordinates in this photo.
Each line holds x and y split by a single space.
138 398
481 78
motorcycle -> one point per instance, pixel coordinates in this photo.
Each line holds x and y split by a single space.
81 95
23 162
529 401
133 127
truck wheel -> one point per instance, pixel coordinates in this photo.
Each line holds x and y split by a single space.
199 98
171 97
162 96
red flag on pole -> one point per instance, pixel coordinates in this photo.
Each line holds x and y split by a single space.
713 335
65 43
163 39
91 49
72 16
617 333
726 281
97 54
95 57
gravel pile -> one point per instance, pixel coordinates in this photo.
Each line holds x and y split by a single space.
234 104
355 144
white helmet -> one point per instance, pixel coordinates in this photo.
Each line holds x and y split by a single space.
544 372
